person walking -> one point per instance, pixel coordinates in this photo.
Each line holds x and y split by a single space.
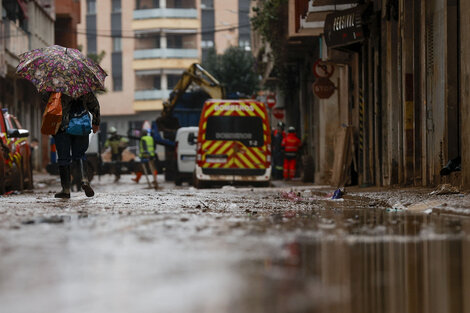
117 144
291 144
278 154
72 148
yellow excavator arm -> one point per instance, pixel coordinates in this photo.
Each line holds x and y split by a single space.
198 75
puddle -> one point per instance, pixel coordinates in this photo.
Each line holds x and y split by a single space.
368 261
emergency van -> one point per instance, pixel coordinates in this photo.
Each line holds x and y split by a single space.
233 144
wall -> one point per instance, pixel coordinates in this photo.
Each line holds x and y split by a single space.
226 18
465 90
121 102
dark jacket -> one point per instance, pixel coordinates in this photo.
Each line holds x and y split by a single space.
89 101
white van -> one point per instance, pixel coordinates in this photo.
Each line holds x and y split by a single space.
186 140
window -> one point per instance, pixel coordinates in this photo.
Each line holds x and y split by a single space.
91 6
117 83
207 44
247 129
116 6
175 42
117 44
172 81
207 4
147 4
157 82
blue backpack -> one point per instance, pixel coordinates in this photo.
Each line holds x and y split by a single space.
80 122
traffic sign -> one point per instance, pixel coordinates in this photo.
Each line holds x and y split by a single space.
323 69
271 100
323 88
278 113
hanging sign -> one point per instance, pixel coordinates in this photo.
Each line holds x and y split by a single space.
345 27
323 68
271 100
323 88
278 113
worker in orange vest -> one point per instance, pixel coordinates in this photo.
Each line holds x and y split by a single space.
291 144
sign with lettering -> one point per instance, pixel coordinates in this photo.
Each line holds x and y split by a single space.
343 28
323 88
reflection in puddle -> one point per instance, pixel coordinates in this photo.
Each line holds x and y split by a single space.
377 262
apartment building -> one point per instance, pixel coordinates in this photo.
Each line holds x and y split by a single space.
149 43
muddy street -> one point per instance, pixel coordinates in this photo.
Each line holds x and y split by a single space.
231 249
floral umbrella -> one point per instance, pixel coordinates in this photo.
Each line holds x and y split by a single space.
60 69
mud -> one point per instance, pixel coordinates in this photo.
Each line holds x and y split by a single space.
285 249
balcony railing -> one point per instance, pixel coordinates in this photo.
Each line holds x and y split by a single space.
153 94
166 54
16 39
165 13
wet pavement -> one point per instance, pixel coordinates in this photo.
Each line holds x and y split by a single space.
290 248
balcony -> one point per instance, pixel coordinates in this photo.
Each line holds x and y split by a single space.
153 94
166 54
165 13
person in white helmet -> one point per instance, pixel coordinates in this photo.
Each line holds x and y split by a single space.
117 143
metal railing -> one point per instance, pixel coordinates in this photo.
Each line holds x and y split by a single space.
153 94
165 13
166 54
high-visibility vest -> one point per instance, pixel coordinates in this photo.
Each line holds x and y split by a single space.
291 143
149 148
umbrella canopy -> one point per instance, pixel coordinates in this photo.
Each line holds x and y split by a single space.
60 69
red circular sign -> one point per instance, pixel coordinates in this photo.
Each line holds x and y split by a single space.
278 113
323 68
270 100
323 88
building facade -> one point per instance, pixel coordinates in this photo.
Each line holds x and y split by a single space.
147 44
398 112
24 25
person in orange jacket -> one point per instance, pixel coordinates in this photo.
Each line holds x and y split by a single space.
291 144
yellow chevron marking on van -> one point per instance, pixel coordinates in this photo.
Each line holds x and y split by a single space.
214 147
260 112
225 146
260 154
206 144
255 155
210 109
229 163
248 111
247 162
239 164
